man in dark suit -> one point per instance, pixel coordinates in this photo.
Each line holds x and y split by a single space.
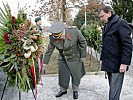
116 50
72 49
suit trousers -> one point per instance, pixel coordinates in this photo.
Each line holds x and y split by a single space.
115 85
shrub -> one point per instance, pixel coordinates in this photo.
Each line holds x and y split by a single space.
92 33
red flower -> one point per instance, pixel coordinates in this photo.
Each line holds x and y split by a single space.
13 20
7 38
68 36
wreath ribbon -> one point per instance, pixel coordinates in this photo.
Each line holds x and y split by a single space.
34 76
40 65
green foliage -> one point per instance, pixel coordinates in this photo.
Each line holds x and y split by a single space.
123 8
22 14
92 34
5 15
80 19
91 14
15 58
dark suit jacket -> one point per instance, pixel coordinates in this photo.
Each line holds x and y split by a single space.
116 44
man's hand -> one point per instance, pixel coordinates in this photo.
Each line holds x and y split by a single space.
123 68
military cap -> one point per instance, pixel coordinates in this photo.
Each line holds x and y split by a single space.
37 19
57 27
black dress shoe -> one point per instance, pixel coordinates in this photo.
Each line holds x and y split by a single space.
75 94
59 94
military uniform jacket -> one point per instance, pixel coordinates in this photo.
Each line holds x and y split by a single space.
71 50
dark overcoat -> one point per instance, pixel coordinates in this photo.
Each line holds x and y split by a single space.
71 50
116 44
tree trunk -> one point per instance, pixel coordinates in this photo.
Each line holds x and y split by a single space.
64 10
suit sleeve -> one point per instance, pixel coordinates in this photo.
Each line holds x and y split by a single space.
126 42
82 44
48 53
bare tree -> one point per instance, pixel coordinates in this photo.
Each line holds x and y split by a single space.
58 10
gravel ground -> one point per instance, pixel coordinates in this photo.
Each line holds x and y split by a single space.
92 87
130 72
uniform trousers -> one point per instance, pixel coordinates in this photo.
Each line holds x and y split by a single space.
64 78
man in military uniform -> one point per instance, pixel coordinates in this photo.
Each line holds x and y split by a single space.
38 23
38 27
71 45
